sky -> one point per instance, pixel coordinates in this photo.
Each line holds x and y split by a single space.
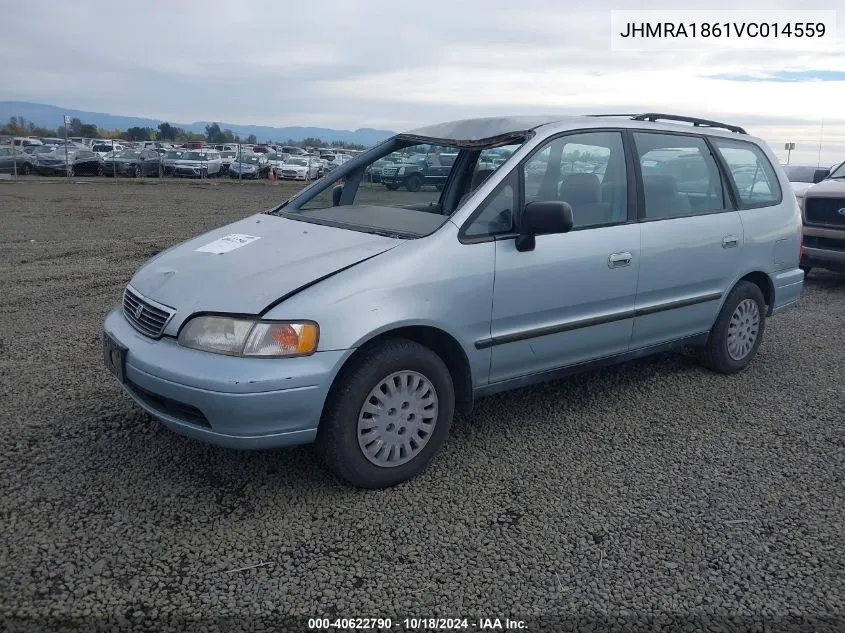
394 65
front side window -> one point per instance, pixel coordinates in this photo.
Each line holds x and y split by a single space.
587 170
680 175
753 175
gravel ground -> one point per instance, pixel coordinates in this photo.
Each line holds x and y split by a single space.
650 496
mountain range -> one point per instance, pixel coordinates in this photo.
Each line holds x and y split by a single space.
51 116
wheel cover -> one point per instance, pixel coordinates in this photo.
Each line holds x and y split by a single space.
397 419
743 329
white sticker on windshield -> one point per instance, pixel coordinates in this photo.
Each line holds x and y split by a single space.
226 243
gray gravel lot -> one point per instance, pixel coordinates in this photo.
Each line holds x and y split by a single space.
653 490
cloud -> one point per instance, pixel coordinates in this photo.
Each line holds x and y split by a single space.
386 64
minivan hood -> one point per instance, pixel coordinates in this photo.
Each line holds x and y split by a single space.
834 186
287 255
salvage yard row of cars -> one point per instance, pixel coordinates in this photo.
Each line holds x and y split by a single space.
57 157
363 322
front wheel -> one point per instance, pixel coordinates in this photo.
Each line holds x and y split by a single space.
387 415
414 183
738 330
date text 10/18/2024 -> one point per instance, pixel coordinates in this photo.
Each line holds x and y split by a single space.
413 624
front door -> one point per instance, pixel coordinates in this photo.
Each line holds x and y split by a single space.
571 298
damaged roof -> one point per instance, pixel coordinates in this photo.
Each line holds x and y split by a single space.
482 131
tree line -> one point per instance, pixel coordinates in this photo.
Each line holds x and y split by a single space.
19 126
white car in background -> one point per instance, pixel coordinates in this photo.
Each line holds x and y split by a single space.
198 164
300 168
276 159
105 147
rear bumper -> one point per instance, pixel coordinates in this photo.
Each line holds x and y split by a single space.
787 289
232 402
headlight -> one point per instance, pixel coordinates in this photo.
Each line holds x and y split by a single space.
248 337
401 171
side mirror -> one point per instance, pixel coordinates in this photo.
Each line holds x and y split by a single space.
543 218
336 193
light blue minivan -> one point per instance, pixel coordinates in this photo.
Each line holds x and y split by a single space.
362 317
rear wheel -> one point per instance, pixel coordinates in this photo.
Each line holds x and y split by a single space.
387 416
738 330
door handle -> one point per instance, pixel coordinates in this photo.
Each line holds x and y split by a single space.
730 241
617 260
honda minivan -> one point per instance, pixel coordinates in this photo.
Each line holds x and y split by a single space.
362 319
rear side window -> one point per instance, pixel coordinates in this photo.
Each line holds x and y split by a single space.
755 178
680 175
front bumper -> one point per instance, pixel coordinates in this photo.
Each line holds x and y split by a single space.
233 402
824 247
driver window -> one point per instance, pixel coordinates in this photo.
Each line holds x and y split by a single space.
586 170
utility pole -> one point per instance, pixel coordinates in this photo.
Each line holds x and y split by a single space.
67 167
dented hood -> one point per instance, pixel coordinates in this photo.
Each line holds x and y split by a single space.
247 266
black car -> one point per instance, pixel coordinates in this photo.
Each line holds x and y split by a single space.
135 163
8 161
70 162
417 171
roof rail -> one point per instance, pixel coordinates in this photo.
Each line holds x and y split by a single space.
655 116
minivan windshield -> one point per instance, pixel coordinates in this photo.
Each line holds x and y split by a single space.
420 186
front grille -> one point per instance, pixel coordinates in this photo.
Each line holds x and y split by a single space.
388 171
145 317
287 172
830 211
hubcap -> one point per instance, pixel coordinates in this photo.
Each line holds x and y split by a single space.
743 329
397 419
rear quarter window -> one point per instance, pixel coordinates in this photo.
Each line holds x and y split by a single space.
752 173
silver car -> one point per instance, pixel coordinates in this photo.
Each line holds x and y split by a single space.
362 319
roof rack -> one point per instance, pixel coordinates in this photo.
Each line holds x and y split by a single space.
656 116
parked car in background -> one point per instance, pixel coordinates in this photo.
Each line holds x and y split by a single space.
70 162
823 211
293 150
300 168
14 160
250 166
135 162
373 173
802 177
168 160
104 148
25 141
227 157
416 172
275 160
198 164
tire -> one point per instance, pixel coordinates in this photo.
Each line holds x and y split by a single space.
137 172
414 183
24 171
736 319
391 187
338 433
806 269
